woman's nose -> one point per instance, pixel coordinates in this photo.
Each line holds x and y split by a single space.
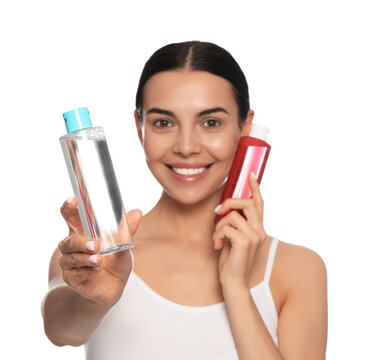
187 143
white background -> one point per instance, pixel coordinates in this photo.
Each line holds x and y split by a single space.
310 68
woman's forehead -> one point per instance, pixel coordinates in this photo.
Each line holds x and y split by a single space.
183 87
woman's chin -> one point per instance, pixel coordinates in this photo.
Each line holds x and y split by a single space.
195 197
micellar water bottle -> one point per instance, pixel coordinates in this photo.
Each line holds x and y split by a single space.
94 183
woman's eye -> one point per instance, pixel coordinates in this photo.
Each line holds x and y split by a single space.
211 123
162 123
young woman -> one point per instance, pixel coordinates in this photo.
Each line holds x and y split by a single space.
190 288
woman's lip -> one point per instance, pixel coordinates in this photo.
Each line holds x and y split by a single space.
189 166
188 179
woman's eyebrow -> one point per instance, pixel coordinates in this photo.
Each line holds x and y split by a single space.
160 111
170 113
213 110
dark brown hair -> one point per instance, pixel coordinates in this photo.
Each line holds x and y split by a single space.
197 55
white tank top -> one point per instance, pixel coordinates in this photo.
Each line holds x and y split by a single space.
143 325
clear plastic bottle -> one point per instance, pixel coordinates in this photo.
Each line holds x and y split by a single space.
94 183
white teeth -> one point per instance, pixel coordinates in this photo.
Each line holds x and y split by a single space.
188 171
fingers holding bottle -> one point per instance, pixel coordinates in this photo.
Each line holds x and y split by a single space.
84 268
227 226
70 213
134 219
256 195
79 260
239 235
78 251
250 208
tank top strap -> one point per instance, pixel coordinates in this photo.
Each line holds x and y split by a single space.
270 260
131 254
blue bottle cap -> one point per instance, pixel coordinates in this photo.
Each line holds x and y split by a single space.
77 119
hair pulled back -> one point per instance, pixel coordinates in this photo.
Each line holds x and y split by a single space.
197 55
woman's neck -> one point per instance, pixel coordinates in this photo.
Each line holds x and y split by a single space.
191 223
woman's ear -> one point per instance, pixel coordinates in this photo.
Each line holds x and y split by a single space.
247 123
138 125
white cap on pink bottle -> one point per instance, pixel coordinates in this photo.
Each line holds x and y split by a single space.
259 131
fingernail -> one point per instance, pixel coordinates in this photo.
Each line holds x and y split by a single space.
217 208
90 245
213 236
93 259
95 267
69 199
252 174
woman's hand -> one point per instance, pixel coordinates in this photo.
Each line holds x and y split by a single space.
101 279
239 237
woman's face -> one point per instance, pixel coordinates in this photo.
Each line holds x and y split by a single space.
190 132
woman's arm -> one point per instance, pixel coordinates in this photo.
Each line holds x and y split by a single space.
251 336
69 318
83 284
303 319
302 329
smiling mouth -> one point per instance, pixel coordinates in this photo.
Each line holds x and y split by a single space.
190 171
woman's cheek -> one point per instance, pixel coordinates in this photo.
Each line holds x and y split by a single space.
155 147
223 147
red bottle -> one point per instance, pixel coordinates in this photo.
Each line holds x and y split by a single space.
251 157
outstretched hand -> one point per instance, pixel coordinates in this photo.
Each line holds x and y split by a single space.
95 277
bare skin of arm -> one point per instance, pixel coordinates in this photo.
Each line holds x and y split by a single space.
302 328
82 292
303 318
301 273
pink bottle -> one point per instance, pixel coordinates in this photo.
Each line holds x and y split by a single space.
251 157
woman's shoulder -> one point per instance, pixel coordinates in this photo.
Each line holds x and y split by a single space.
298 267
298 255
